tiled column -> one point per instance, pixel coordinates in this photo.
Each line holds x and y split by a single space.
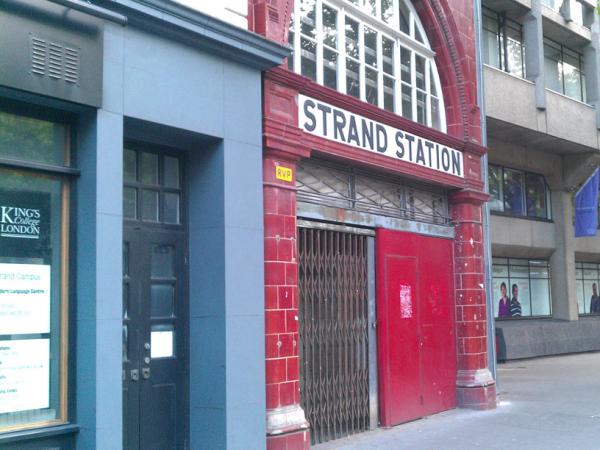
287 427
476 387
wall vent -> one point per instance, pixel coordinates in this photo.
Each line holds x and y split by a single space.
54 60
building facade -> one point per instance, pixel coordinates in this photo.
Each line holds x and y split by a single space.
541 99
131 180
375 307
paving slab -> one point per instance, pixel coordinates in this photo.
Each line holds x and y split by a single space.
545 403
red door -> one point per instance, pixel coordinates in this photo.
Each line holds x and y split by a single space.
415 315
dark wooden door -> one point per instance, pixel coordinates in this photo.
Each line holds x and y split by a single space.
154 334
155 302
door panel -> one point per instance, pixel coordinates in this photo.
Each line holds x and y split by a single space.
415 313
155 399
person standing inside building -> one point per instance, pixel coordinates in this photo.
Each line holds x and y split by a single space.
595 301
504 305
515 306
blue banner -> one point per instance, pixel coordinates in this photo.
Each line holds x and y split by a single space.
586 207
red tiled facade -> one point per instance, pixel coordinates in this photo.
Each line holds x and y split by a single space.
450 29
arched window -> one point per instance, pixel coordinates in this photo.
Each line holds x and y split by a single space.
374 50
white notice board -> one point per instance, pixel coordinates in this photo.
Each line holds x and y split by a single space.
24 298
24 375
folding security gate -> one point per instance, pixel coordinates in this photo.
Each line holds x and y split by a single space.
336 314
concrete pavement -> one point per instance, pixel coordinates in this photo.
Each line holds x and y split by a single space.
546 403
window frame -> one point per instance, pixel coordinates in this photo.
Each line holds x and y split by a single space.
525 174
503 24
529 278
66 174
549 42
579 265
410 41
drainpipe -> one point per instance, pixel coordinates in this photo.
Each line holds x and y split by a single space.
487 245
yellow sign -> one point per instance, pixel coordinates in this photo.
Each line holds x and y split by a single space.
283 173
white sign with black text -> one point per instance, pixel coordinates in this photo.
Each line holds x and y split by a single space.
24 375
24 298
336 124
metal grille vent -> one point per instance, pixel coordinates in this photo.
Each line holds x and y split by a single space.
54 60
327 184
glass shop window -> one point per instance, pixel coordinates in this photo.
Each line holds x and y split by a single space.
34 243
374 50
587 276
563 68
503 43
521 288
518 193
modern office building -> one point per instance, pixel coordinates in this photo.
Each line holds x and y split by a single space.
131 225
541 100
375 307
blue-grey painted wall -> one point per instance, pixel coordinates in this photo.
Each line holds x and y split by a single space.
163 91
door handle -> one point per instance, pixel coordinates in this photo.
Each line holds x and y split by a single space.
146 373
135 375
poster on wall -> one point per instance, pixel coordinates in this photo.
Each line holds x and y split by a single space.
24 375
24 298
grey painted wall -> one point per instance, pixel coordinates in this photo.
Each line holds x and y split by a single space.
166 93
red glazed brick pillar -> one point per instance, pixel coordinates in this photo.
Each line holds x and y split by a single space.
287 427
476 387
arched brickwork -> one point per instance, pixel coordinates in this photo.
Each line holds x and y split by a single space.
451 34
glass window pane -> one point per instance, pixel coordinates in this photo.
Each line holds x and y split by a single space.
330 67
513 192
352 38
421 107
515 57
130 203
130 165
125 342
500 271
495 183
406 101
405 64
572 77
580 297
387 49
520 290
387 11
126 259
519 271
162 341
125 300
436 120
150 206
552 66
536 196
540 298
171 172
162 300
162 261
371 86
420 69
31 246
149 169
30 139
388 93
352 78
307 18
308 58
171 213
404 17
329 27
501 296
370 47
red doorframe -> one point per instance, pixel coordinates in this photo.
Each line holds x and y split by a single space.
416 325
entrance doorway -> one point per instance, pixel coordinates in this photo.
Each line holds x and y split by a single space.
336 309
155 303
415 322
